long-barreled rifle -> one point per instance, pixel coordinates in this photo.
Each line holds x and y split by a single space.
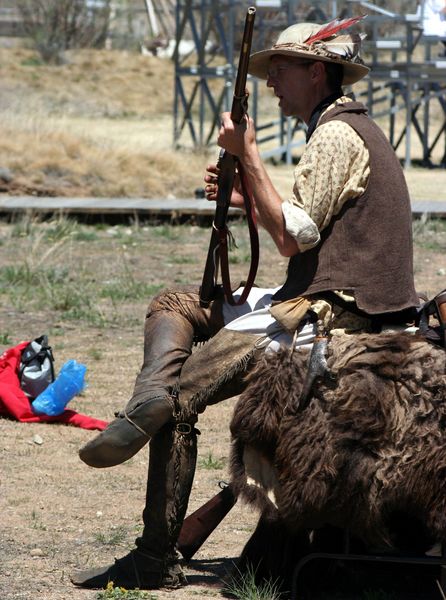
228 166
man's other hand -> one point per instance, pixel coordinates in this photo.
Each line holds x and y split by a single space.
211 188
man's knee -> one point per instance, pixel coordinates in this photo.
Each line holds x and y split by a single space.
185 301
174 299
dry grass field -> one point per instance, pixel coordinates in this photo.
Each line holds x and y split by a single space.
101 125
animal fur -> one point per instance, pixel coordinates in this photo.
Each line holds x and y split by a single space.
368 447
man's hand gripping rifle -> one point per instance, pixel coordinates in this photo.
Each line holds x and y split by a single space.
228 166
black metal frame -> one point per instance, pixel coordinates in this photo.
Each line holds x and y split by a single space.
399 84
374 558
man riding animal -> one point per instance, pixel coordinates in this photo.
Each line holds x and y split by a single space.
346 228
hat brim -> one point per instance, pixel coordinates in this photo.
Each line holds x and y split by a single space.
259 64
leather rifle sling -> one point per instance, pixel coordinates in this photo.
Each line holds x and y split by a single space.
254 239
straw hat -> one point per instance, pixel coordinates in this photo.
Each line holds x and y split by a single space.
316 42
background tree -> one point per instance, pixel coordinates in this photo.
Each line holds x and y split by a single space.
58 25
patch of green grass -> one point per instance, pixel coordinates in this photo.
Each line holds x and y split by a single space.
53 289
36 523
237 259
51 278
115 537
32 61
85 235
209 462
43 289
5 338
431 244
18 275
32 226
429 234
129 289
61 229
118 593
68 297
182 260
92 316
169 232
57 331
95 354
244 587
27 285
74 301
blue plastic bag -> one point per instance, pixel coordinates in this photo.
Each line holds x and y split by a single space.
70 381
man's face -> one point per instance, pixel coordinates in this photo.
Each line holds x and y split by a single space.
290 80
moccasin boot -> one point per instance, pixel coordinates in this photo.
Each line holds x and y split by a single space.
154 562
167 344
134 570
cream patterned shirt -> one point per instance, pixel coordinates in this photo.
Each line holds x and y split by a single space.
334 168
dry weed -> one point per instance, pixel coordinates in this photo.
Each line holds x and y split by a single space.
50 151
101 125
93 82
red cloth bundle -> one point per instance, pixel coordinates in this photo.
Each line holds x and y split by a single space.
15 404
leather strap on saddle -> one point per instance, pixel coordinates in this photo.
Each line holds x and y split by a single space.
436 308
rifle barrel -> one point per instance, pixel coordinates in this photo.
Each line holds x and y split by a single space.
227 164
238 105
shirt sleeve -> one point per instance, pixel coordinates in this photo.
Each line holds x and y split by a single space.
333 169
300 226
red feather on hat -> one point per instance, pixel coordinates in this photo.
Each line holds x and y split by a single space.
333 27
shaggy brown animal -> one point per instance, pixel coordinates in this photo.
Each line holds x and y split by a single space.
369 446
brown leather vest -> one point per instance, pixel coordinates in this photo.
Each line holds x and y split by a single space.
367 248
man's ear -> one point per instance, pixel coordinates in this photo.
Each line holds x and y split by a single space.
317 70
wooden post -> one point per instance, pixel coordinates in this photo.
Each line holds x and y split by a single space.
152 18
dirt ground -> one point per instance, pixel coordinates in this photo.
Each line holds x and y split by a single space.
59 514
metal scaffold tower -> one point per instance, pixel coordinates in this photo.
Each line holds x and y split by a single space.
208 35
405 91
406 88
208 27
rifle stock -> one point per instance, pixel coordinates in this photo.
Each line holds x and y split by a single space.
227 164
199 525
